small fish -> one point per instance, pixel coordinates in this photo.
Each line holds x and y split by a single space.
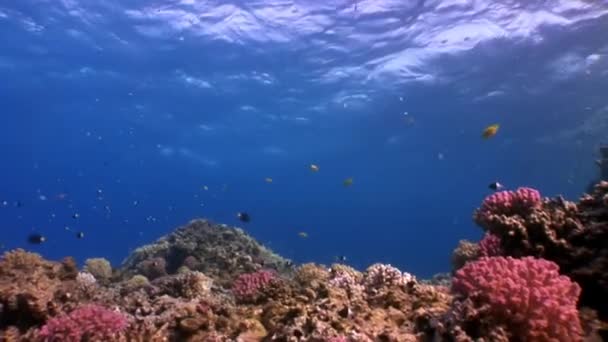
76 216
341 258
61 196
18 204
244 217
79 235
36 239
205 187
314 168
268 180
599 162
496 186
303 235
348 182
490 131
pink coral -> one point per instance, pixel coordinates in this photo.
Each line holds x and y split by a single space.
510 202
507 204
89 322
338 339
528 295
490 246
247 286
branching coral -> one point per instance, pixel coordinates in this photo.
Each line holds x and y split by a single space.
89 322
490 246
248 287
527 295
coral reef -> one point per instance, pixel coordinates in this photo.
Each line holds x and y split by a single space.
218 251
572 235
539 274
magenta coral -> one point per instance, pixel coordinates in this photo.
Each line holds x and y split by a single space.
89 322
490 246
527 295
247 286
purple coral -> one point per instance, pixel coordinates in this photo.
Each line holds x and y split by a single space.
89 322
527 295
248 286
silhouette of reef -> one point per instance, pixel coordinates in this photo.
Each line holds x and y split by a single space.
534 276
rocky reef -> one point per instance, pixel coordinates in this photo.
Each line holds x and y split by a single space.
539 274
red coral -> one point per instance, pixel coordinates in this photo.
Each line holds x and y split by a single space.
527 295
248 286
90 322
490 246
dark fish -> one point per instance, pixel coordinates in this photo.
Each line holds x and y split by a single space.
18 204
496 186
36 239
244 217
79 235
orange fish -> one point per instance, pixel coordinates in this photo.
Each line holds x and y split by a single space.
490 131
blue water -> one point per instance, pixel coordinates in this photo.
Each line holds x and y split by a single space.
130 108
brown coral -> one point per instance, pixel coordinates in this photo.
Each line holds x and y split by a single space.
27 288
219 251
100 268
465 252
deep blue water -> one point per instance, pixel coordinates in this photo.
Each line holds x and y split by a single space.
130 108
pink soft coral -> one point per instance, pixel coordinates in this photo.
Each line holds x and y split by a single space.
247 286
89 322
527 295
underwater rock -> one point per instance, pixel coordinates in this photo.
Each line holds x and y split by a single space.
219 251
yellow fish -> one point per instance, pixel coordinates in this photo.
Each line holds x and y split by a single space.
303 235
348 182
314 168
490 131
268 180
